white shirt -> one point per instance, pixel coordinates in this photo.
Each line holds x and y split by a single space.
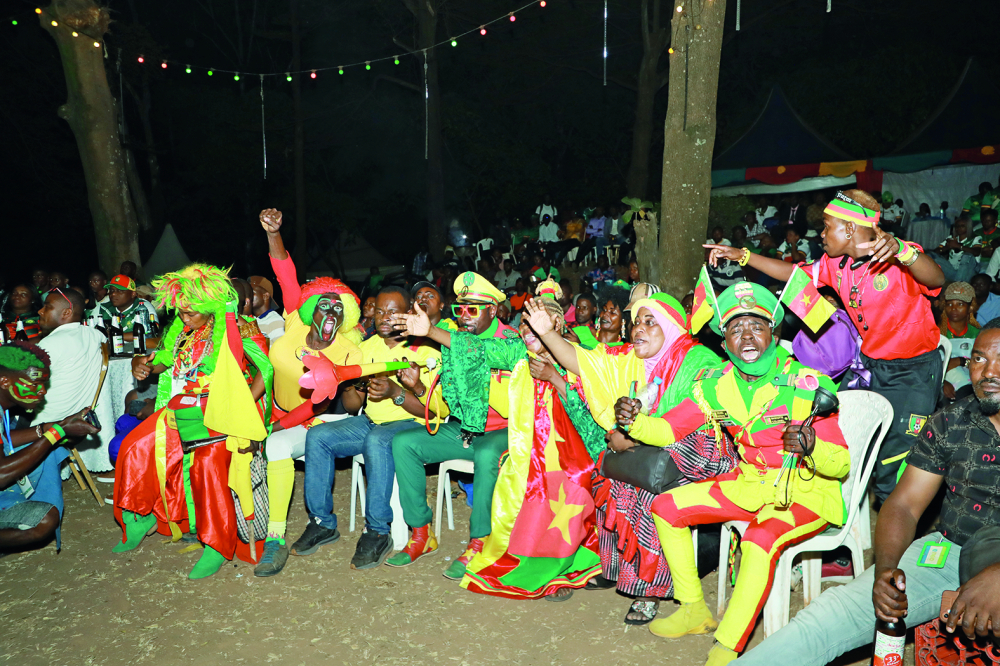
548 233
755 230
770 212
616 223
893 213
546 209
724 241
272 325
802 246
504 281
75 362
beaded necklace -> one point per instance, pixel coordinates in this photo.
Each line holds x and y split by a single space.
191 348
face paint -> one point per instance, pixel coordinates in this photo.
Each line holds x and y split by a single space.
328 317
27 392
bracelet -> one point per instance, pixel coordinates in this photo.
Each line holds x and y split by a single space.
907 253
54 433
422 393
38 430
745 259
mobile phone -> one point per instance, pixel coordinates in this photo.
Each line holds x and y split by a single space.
91 418
947 601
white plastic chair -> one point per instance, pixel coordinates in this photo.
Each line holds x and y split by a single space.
484 244
444 491
944 346
861 414
400 534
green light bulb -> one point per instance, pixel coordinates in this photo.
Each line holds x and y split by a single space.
341 70
236 77
397 61
14 22
210 72
454 42
187 69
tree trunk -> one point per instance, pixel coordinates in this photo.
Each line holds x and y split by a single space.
426 18
688 141
300 253
92 116
649 82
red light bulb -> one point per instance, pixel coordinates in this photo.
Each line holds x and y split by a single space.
163 64
141 60
542 3
512 18
482 31
312 75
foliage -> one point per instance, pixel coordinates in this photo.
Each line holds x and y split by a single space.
727 212
635 205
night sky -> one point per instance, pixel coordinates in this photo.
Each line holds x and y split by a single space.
524 110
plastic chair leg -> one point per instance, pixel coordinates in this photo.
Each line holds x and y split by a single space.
439 502
447 499
694 540
723 570
866 523
355 478
812 574
776 608
400 535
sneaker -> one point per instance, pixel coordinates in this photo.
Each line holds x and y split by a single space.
458 567
273 560
422 542
314 537
372 550
796 576
842 566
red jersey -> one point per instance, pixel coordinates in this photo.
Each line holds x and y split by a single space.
889 308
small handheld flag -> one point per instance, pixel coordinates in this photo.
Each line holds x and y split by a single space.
704 305
324 377
802 298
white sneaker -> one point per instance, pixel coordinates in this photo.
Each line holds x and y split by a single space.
796 575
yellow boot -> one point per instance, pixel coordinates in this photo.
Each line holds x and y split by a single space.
692 618
720 655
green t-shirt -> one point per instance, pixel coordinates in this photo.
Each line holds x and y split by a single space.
971 333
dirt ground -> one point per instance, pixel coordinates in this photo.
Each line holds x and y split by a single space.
86 605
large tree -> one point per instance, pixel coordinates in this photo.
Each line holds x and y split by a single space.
78 28
688 141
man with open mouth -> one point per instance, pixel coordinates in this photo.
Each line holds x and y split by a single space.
787 482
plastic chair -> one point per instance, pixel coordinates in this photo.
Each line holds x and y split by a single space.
400 534
944 346
861 414
444 491
484 244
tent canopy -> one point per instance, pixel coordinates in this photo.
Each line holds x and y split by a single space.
969 117
169 255
778 137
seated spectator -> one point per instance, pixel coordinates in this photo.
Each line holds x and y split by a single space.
21 311
583 324
754 229
270 321
596 237
633 273
946 454
766 210
136 411
987 305
548 233
130 310
507 277
957 255
519 296
928 232
959 326
796 247
611 303
432 302
389 408
40 281
974 203
544 270
368 317
602 273
989 234
31 499
718 237
97 283
57 280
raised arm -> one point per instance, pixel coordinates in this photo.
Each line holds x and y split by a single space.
418 324
775 268
924 270
281 261
541 323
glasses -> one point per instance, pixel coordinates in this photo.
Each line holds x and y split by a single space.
459 309
844 197
57 289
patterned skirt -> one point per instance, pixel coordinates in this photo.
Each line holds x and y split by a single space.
629 545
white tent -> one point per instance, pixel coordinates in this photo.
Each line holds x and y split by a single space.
168 255
953 183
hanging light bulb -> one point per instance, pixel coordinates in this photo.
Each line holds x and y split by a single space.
187 69
97 45
141 60
163 65
38 10
339 69
512 17
542 3
210 72
396 60
368 65
680 8
312 74
236 77
670 50
288 77
55 24
454 42
482 30
76 34
14 22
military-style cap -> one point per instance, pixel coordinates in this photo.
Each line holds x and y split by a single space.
472 287
746 298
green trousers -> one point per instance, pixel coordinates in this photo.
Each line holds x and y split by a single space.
413 449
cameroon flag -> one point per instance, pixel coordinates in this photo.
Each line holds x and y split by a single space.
703 306
802 298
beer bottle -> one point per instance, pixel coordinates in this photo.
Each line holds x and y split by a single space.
138 340
20 334
4 335
117 337
889 640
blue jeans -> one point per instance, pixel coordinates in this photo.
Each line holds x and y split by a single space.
843 617
347 438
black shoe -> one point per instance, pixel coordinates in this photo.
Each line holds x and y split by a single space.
314 537
372 550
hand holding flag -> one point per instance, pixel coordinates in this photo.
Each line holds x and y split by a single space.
802 298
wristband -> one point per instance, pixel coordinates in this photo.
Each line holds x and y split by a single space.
907 253
745 258
54 433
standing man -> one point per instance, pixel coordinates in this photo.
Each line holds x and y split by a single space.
98 284
270 321
548 233
475 312
130 310
388 409
883 283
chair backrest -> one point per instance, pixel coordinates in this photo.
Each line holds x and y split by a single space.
944 346
861 414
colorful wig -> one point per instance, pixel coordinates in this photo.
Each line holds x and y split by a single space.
199 287
312 290
18 356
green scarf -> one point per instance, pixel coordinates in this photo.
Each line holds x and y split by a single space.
758 367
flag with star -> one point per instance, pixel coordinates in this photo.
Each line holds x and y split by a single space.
802 298
543 529
703 305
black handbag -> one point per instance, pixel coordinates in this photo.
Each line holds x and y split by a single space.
648 467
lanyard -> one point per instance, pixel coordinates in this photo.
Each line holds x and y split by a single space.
8 443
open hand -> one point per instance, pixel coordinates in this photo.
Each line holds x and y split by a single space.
717 252
883 248
889 594
270 219
418 323
538 318
977 608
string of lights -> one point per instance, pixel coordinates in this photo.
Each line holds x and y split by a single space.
314 71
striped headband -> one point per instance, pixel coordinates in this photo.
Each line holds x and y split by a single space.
846 208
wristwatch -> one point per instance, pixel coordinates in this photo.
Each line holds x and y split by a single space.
399 399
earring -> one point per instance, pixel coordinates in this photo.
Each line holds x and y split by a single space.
623 330
849 235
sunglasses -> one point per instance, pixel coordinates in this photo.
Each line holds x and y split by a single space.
459 309
844 197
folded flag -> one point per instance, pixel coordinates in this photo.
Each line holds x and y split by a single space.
703 306
802 298
324 377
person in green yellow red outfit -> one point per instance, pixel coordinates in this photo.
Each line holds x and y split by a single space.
320 319
203 394
475 313
761 398
663 359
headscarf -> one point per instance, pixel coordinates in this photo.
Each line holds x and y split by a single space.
669 314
